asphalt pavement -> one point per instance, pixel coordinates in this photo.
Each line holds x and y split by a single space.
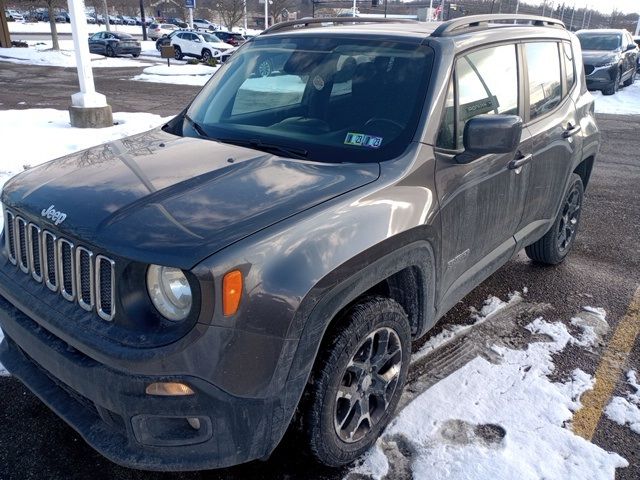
603 270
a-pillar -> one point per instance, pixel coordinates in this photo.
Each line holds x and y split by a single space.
89 108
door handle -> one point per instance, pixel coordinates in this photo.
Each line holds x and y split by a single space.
520 161
571 131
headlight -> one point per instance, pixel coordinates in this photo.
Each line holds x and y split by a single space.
169 291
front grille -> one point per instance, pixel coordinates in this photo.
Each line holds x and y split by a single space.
588 69
72 271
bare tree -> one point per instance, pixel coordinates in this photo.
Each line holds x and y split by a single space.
230 11
276 7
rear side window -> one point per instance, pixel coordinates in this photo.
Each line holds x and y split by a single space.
569 67
543 65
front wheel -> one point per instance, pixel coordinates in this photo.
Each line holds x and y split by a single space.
615 86
206 55
177 52
110 51
556 244
357 381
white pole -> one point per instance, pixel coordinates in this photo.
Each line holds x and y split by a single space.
245 15
191 18
431 11
266 14
638 27
573 14
354 8
87 96
517 6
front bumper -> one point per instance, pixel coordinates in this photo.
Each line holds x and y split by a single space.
602 78
128 50
112 412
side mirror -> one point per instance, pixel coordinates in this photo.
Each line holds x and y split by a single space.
487 134
631 46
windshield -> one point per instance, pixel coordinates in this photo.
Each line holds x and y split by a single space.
603 41
210 38
335 99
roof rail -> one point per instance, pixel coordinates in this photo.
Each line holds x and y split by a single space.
451 27
319 22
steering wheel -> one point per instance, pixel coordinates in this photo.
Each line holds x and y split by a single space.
380 121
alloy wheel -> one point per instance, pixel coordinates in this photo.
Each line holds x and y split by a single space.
569 220
368 385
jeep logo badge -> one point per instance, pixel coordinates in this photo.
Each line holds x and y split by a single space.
55 216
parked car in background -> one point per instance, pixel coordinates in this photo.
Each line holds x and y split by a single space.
112 44
234 39
126 20
198 44
158 30
204 24
610 59
147 21
178 22
13 16
637 41
91 19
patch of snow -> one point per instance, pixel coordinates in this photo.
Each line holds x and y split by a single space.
491 306
193 80
624 102
601 312
490 421
40 53
626 411
180 70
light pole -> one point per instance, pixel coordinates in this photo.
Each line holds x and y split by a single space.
266 14
143 21
89 108
244 6
354 8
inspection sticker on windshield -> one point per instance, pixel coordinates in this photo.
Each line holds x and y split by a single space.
362 140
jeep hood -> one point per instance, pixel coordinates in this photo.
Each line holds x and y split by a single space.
170 200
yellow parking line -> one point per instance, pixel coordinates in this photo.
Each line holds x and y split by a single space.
615 355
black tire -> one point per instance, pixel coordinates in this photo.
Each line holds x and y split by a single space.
177 53
351 359
557 242
206 55
135 55
110 52
615 86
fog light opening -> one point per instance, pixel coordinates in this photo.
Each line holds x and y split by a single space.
169 389
194 422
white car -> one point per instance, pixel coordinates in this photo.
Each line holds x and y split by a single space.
200 45
14 16
203 24
158 30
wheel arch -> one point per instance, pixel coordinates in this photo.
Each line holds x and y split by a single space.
584 170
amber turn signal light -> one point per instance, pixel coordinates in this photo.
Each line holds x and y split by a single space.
231 292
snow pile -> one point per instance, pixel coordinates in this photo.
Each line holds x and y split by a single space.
166 70
490 421
491 306
625 102
40 53
626 411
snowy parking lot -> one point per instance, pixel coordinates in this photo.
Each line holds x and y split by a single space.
505 387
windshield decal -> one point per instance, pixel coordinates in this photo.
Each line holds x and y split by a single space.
362 140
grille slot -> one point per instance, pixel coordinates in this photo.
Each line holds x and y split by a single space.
73 271
105 287
50 260
22 254
9 221
34 244
66 270
84 277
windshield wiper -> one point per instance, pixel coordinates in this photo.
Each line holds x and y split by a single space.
196 126
292 152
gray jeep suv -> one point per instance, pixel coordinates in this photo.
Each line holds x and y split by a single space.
181 297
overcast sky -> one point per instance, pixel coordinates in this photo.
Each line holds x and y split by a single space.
605 6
